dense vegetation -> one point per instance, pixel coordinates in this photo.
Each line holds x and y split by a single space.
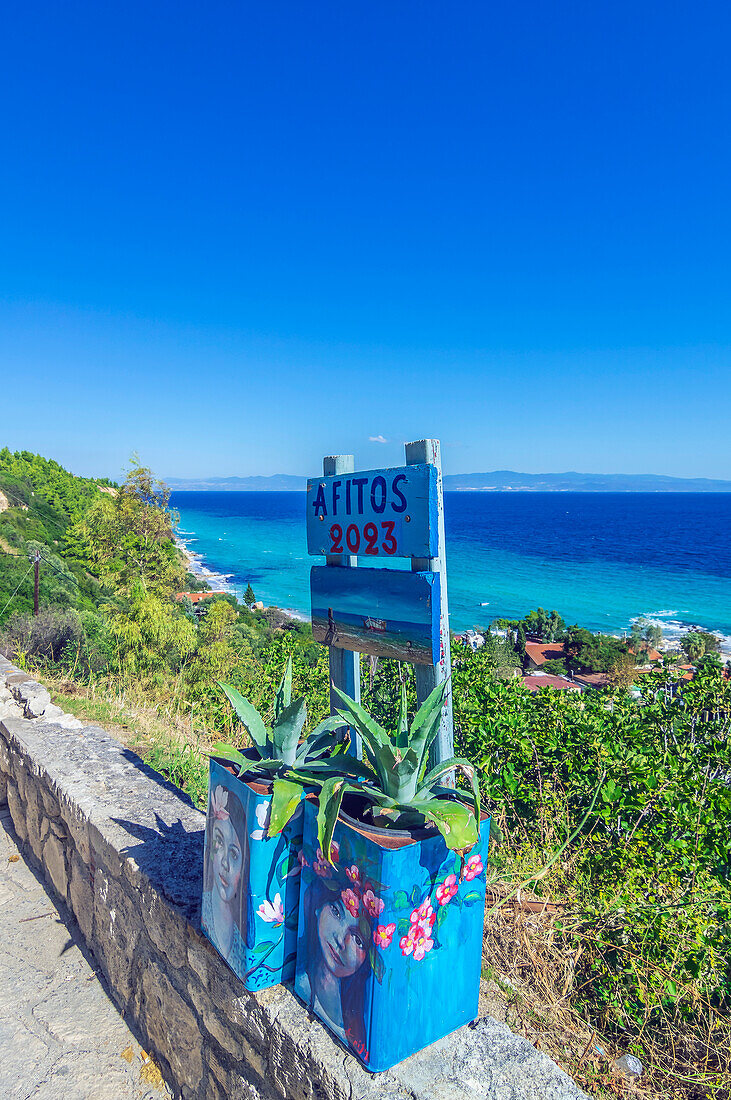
39 500
618 808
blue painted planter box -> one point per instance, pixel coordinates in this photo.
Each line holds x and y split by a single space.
390 939
250 883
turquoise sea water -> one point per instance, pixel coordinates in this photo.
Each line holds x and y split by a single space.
599 559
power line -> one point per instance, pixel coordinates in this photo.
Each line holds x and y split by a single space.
7 605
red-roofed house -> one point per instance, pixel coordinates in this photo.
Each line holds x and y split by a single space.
540 652
195 597
535 683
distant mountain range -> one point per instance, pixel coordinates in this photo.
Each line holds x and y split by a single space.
496 481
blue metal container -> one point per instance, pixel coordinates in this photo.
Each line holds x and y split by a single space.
390 938
250 883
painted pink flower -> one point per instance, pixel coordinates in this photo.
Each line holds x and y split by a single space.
373 904
350 901
418 941
353 873
424 915
473 868
422 943
272 912
219 801
383 935
447 890
321 866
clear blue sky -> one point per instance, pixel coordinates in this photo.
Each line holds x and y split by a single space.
237 236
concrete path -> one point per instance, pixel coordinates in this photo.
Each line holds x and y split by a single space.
61 1038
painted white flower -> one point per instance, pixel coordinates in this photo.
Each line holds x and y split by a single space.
263 811
272 911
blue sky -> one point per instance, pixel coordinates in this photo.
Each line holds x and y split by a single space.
235 237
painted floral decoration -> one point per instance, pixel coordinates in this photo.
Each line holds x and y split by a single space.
219 801
424 915
447 889
417 941
351 901
383 935
428 905
262 811
272 912
320 865
373 904
473 868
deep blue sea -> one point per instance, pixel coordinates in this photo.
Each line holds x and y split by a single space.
600 559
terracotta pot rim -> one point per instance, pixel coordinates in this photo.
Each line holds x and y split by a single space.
395 838
258 786
386 838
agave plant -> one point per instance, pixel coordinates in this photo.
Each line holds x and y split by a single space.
277 754
401 793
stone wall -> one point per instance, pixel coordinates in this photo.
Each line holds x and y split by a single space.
124 849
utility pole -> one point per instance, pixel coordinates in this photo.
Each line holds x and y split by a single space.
37 564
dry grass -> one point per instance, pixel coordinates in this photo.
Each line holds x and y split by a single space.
532 984
160 733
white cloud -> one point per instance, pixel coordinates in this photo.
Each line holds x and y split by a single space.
377 439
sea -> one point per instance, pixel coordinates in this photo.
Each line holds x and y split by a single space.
601 559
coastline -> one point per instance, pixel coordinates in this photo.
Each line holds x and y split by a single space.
218 582
221 582
673 629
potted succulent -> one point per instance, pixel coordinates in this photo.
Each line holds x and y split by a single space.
254 835
392 894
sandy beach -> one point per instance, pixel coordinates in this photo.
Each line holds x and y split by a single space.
218 582
221 582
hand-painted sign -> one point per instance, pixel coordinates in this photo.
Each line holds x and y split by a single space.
383 612
377 513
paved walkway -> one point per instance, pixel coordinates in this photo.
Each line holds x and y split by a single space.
61 1038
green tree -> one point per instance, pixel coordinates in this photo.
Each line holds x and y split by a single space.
128 537
587 652
554 667
150 634
548 627
697 644
249 597
520 650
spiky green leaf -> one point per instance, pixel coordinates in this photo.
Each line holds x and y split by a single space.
425 726
356 715
287 729
402 726
286 797
380 751
331 797
284 692
455 821
248 715
456 763
346 766
228 752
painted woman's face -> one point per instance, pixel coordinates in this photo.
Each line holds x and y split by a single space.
227 859
340 941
